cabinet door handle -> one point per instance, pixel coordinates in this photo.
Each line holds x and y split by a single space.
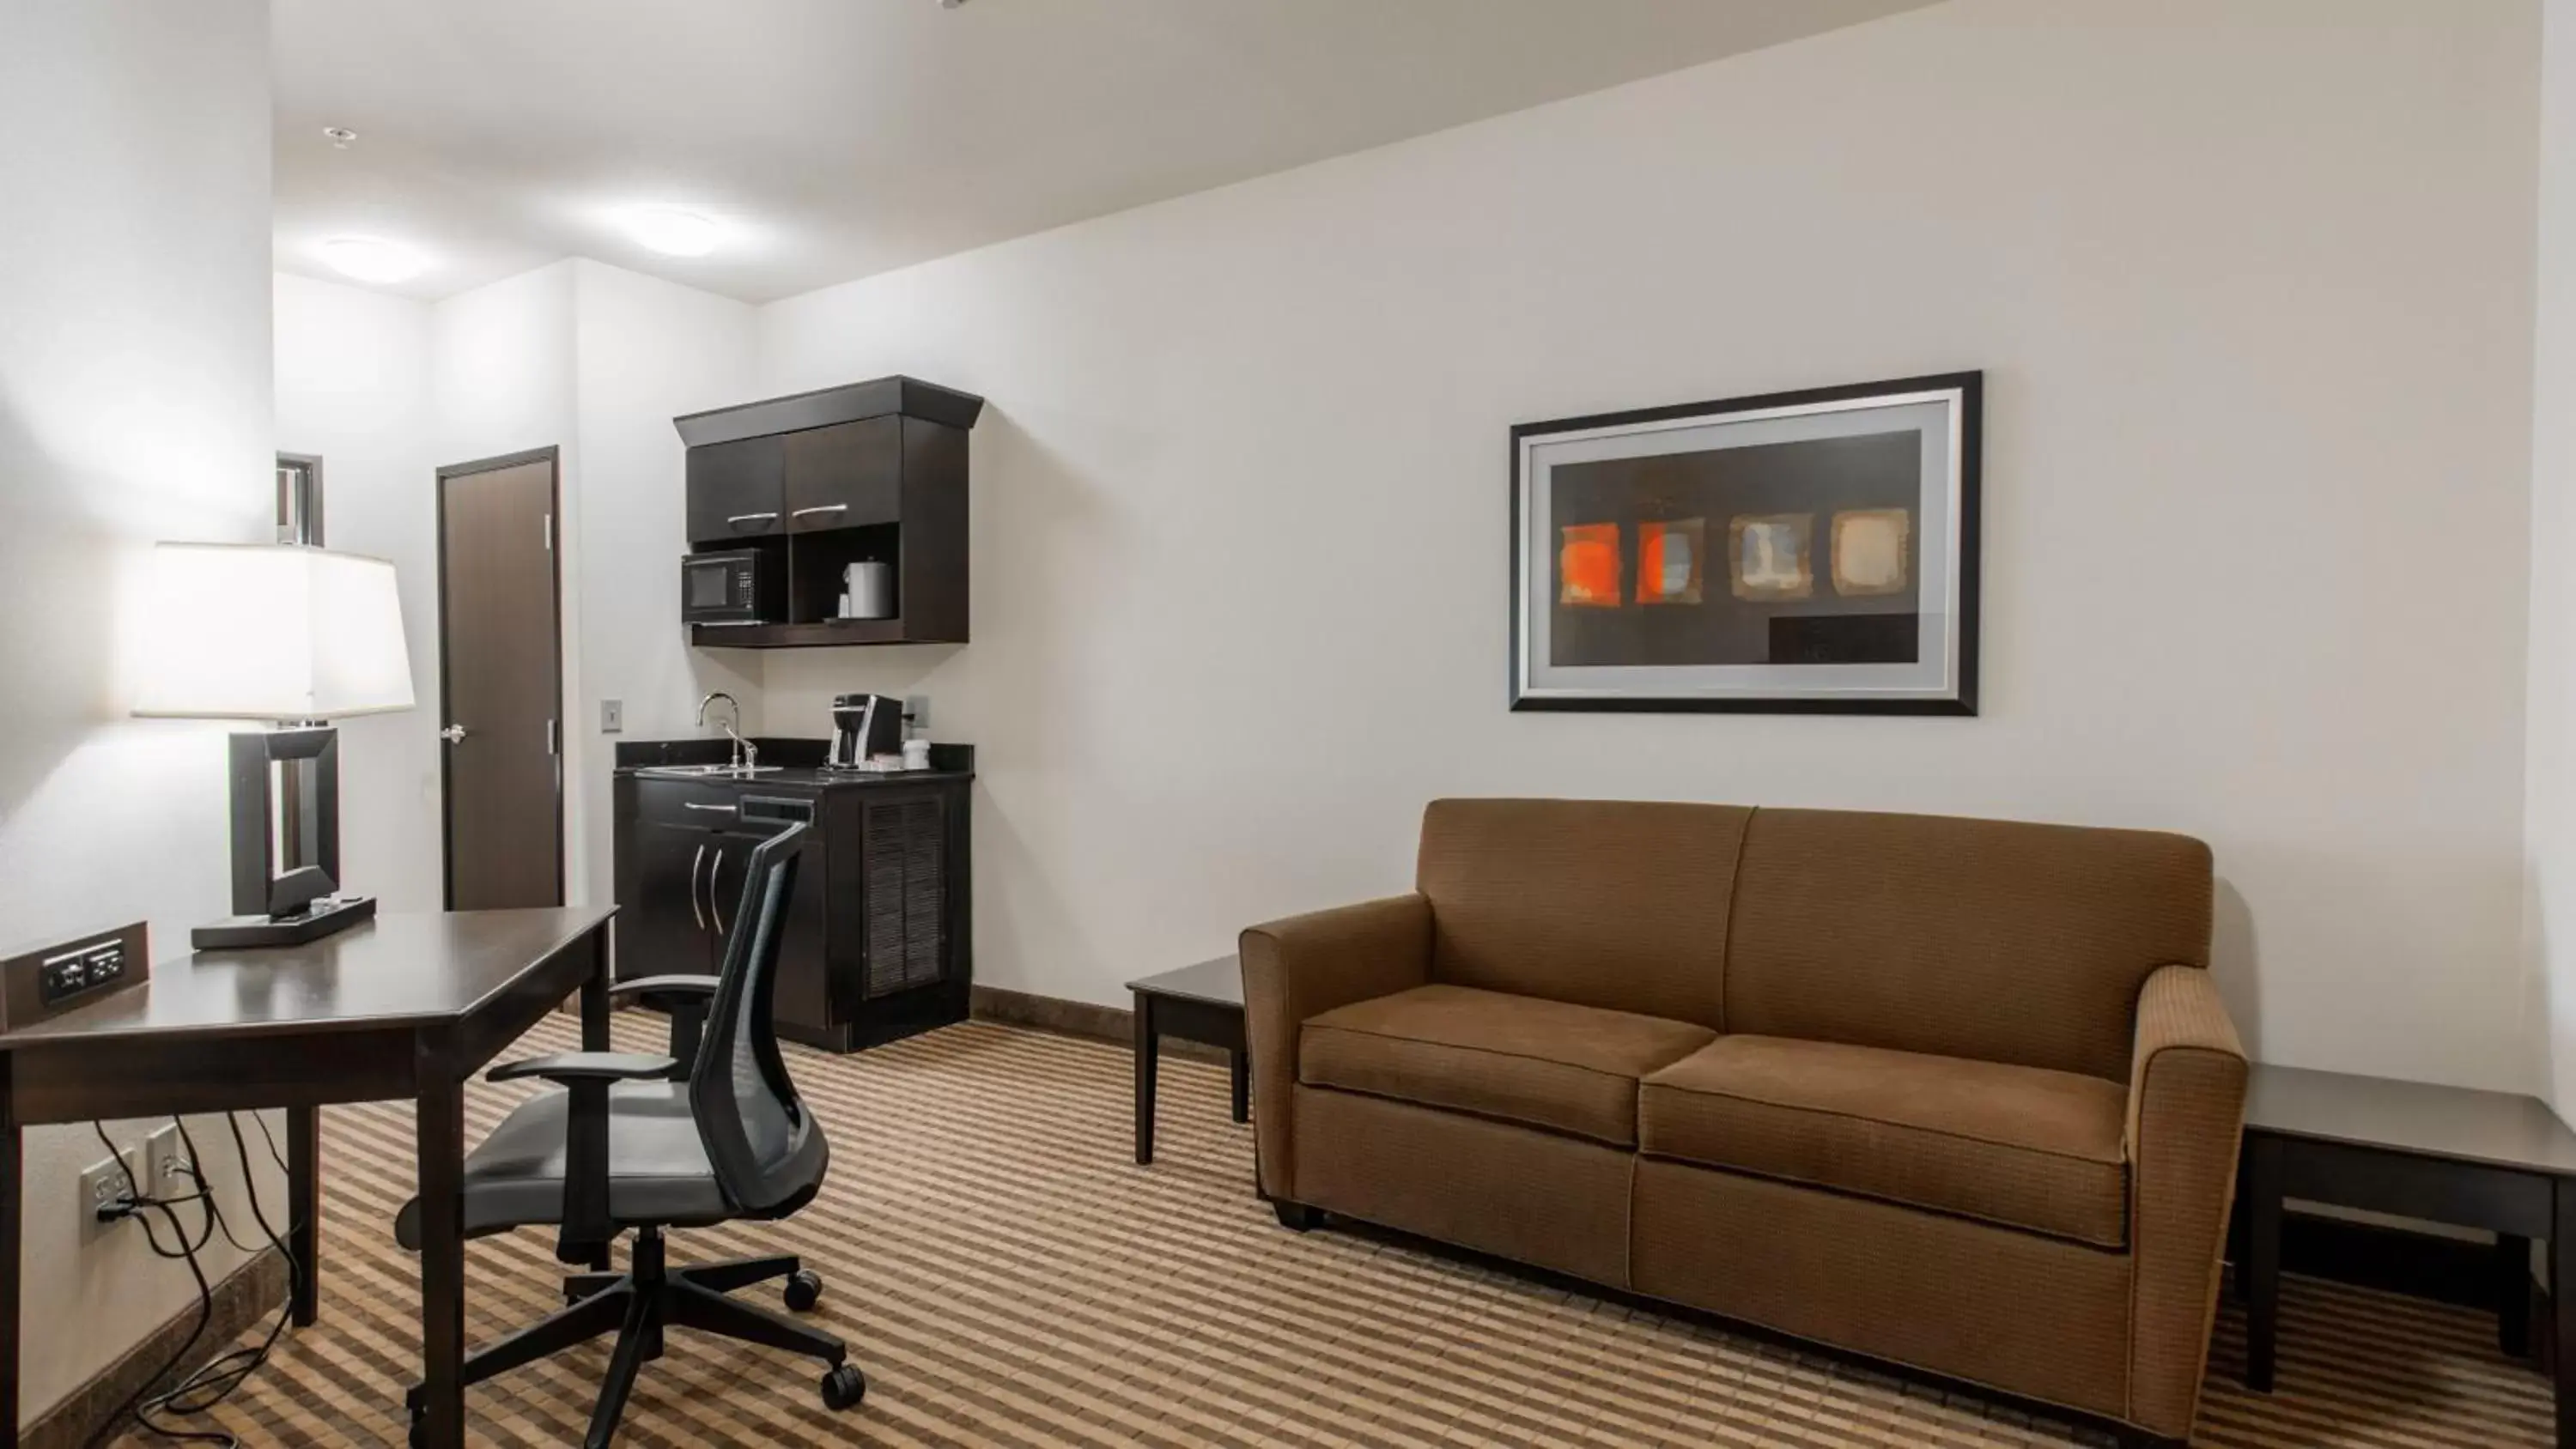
695 861
820 508
715 873
720 809
739 519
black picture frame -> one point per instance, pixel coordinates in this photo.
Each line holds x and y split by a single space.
1966 392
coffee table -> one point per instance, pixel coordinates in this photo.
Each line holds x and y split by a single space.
2494 1160
1202 1003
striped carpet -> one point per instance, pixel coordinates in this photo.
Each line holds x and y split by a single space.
1006 1276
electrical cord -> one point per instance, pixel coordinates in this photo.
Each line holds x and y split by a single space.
215 1380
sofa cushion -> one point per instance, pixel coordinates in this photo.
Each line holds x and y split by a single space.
1519 1058
2021 1146
1611 903
1994 940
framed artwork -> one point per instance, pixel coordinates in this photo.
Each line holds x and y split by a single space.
1845 582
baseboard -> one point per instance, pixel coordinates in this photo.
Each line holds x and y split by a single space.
1073 1018
242 1297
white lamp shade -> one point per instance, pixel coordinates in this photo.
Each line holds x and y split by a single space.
271 632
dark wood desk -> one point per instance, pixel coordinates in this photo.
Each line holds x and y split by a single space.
403 1006
2493 1160
1202 1003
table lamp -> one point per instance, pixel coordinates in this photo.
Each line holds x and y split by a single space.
292 636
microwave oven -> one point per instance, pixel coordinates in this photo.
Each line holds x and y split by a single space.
733 586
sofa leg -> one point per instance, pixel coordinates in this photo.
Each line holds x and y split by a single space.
1296 1216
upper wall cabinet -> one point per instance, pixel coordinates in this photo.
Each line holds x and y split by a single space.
871 473
735 490
846 475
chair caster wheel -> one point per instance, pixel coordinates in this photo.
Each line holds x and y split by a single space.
804 1290
843 1387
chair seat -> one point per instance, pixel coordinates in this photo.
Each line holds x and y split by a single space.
1518 1058
2020 1146
657 1165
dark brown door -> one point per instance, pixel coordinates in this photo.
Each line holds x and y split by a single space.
501 682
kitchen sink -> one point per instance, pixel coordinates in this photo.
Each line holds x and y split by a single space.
710 772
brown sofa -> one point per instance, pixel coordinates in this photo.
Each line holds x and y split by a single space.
1953 1093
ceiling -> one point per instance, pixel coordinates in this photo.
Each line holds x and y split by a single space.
836 138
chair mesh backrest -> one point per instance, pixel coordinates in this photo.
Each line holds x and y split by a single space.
759 1137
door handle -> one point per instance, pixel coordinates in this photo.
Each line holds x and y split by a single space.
739 519
695 861
453 733
719 809
820 508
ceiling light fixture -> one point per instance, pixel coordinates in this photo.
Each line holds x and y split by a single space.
369 259
339 137
672 231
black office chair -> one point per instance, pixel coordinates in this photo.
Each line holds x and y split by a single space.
639 1143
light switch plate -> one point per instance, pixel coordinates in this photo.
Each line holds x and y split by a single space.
612 716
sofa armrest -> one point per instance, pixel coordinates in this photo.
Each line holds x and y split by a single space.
1304 966
2186 1115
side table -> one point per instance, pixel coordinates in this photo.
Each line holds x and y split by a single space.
1202 1003
2493 1160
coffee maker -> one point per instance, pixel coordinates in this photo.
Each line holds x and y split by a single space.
864 726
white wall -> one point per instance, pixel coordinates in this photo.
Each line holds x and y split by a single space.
587 358
134 405
2550 748
646 351
2251 286
353 371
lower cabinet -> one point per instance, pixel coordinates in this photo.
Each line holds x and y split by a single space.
876 943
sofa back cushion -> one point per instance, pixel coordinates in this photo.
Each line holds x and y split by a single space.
1992 940
1614 904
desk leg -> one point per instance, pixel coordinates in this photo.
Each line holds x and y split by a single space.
1147 1045
2562 1307
2262 1260
1239 1066
2513 1295
304 1211
12 1190
441 1397
594 994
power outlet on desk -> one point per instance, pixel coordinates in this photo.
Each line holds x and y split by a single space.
49 980
85 967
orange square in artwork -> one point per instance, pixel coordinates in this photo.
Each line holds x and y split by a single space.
1587 565
1668 560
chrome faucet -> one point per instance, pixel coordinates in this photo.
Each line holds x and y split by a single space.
746 755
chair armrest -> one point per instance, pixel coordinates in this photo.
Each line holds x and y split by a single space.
661 990
686 998
568 1068
1304 966
585 1230
2187 1074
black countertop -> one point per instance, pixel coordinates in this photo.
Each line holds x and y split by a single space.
802 762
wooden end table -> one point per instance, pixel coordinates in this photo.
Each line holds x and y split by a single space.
1202 1003
2492 1160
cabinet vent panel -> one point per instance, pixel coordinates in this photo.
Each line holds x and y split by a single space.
907 861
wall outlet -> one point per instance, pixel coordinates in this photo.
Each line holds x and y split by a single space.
612 716
102 1184
916 711
165 1163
